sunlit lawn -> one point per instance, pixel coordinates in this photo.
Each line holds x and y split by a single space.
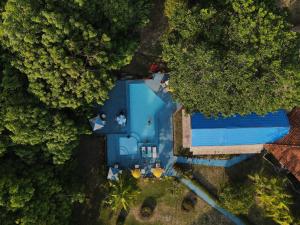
168 194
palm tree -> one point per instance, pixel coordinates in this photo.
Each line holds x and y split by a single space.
122 193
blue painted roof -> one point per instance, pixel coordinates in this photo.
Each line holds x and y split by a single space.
238 130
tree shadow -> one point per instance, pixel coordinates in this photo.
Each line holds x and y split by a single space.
212 217
122 216
189 202
90 157
148 207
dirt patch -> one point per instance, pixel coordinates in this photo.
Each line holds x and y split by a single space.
92 170
149 49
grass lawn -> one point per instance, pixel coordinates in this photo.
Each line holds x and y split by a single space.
214 178
168 195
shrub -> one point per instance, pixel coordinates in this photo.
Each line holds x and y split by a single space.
188 204
146 211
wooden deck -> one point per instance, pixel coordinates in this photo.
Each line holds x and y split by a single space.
220 150
186 129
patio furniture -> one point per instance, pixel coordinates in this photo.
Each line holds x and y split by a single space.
136 173
121 120
144 151
103 116
157 172
97 123
149 151
143 171
154 152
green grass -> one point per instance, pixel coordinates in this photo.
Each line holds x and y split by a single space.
167 190
132 221
168 194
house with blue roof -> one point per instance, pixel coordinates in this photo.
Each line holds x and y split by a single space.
233 135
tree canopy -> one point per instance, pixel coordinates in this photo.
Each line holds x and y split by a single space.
35 193
28 122
229 57
68 49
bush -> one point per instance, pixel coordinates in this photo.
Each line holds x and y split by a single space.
172 5
188 203
146 212
148 207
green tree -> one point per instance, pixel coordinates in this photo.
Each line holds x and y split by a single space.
273 198
122 193
229 57
68 49
237 198
35 193
28 122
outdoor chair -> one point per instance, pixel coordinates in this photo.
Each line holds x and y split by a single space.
144 151
149 151
154 152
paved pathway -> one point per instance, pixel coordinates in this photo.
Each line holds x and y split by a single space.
203 195
213 162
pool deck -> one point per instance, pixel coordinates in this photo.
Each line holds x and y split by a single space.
119 101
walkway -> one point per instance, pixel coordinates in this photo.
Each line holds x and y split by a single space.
203 195
213 162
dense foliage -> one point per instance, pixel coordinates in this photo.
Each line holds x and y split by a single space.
35 193
232 57
273 198
68 49
122 193
57 58
267 193
28 122
237 198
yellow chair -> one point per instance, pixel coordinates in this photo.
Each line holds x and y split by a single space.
157 172
136 173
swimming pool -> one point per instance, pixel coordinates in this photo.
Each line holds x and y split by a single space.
143 107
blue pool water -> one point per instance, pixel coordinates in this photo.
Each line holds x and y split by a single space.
144 105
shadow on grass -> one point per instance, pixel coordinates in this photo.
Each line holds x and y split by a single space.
148 207
122 217
189 202
212 217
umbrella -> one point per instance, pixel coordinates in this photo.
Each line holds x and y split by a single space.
113 174
97 123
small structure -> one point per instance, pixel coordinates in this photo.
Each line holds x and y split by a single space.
97 123
287 149
233 135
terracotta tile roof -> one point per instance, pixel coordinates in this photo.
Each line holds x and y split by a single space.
287 149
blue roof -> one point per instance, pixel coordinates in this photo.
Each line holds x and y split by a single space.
238 130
